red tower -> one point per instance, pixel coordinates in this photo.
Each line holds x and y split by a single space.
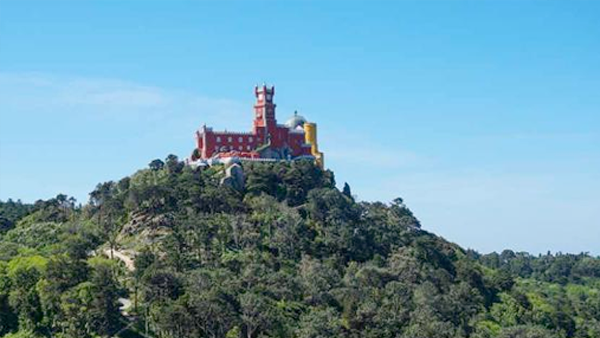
265 124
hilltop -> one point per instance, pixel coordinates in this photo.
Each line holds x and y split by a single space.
285 255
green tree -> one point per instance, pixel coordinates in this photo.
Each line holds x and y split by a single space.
257 314
75 305
346 190
104 312
173 165
526 331
319 323
8 318
156 165
24 273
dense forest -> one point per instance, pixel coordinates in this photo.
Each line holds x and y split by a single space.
171 252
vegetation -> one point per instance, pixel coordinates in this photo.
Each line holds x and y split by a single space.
290 256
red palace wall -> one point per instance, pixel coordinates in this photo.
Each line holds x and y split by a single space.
209 142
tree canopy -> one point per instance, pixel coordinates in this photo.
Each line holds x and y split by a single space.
290 255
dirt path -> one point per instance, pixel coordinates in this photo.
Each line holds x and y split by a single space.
122 257
125 306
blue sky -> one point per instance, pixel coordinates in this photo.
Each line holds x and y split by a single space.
483 115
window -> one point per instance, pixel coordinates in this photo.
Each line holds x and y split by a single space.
241 148
240 139
250 138
247 147
218 139
229 139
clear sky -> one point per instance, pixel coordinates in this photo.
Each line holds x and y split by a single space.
483 115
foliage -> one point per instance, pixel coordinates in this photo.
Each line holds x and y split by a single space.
289 256
11 212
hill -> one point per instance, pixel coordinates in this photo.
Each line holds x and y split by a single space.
286 255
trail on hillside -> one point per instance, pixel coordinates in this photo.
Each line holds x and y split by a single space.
122 257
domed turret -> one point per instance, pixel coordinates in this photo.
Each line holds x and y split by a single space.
295 121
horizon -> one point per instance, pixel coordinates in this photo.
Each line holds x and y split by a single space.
489 131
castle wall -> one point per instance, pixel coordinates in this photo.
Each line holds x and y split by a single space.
209 142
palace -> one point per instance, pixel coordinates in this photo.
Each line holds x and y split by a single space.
267 140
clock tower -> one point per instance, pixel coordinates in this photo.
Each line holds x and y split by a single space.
264 109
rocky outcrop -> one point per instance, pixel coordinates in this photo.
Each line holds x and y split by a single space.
146 228
234 177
